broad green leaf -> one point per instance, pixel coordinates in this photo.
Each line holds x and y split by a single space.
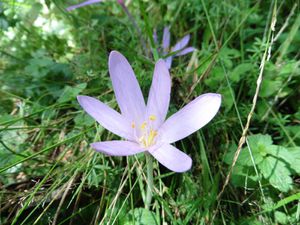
260 140
277 173
258 144
70 93
240 70
244 177
227 100
269 87
281 217
281 153
295 152
83 119
245 157
140 216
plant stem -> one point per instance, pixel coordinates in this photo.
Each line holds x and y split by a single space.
132 20
149 162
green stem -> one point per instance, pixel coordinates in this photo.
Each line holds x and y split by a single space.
149 161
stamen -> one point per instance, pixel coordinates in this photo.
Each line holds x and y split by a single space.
151 136
147 133
133 125
152 117
143 126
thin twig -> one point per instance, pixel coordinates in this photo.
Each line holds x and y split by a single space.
242 140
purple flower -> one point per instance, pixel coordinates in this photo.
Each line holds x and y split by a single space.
89 2
179 48
144 126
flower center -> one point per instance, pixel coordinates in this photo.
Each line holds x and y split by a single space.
146 134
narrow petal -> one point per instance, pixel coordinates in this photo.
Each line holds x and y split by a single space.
172 158
186 51
117 148
159 95
190 118
127 90
83 4
168 61
181 44
106 116
166 39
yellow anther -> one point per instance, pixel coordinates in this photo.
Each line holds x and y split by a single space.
152 117
133 124
151 136
143 126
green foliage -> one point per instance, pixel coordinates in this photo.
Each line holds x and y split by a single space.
275 163
139 216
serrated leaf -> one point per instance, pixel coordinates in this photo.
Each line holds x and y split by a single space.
269 87
281 153
70 93
227 100
244 177
258 144
277 173
260 140
245 157
241 69
281 217
295 152
84 119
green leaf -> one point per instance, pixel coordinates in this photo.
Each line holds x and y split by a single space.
84 119
277 173
70 93
295 152
240 70
260 140
244 177
140 216
258 144
269 87
281 153
281 217
227 99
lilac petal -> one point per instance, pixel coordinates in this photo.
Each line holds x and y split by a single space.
190 118
166 39
83 4
172 158
181 44
127 90
186 51
117 148
159 95
106 116
168 61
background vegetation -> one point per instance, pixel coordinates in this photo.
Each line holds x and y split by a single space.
50 175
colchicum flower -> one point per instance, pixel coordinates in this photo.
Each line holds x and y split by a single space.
144 126
179 48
